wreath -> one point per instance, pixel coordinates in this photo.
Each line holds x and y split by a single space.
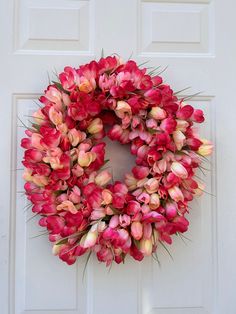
81 207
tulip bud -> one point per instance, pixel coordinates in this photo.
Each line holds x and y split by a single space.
137 230
107 196
114 221
146 247
122 108
86 158
56 249
154 201
176 194
157 113
179 170
55 116
67 206
95 126
151 185
178 138
206 148
103 178
171 210
76 136
90 238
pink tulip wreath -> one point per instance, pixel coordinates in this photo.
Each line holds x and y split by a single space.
79 204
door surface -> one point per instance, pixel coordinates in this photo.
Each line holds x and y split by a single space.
196 40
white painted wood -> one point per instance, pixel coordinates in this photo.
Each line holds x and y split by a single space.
198 45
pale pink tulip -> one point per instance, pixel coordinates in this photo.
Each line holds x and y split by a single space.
76 136
146 246
137 230
67 206
157 113
95 126
179 170
103 178
206 148
176 194
151 185
86 158
179 139
154 201
55 116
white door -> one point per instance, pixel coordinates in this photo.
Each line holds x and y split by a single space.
196 40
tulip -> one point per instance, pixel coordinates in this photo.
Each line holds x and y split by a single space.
56 249
146 247
39 117
182 125
124 220
179 139
160 166
122 108
133 208
154 201
130 181
179 170
137 230
106 196
90 238
206 148
176 194
114 221
95 126
40 180
151 185
144 198
76 136
103 178
86 158
168 125
157 113
140 172
171 210
67 206
55 116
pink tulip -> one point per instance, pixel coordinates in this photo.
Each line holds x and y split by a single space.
157 113
67 206
86 158
179 170
176 194
146 247
133 207
106 196
122 109
144 198
124 220
103 178
90 238
76 136
140 172
168 125
171 210
136 230
154 201
151 185
179 139
206 148
95 126
160 166
114 221
55 116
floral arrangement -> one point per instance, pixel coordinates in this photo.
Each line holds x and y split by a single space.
76 198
